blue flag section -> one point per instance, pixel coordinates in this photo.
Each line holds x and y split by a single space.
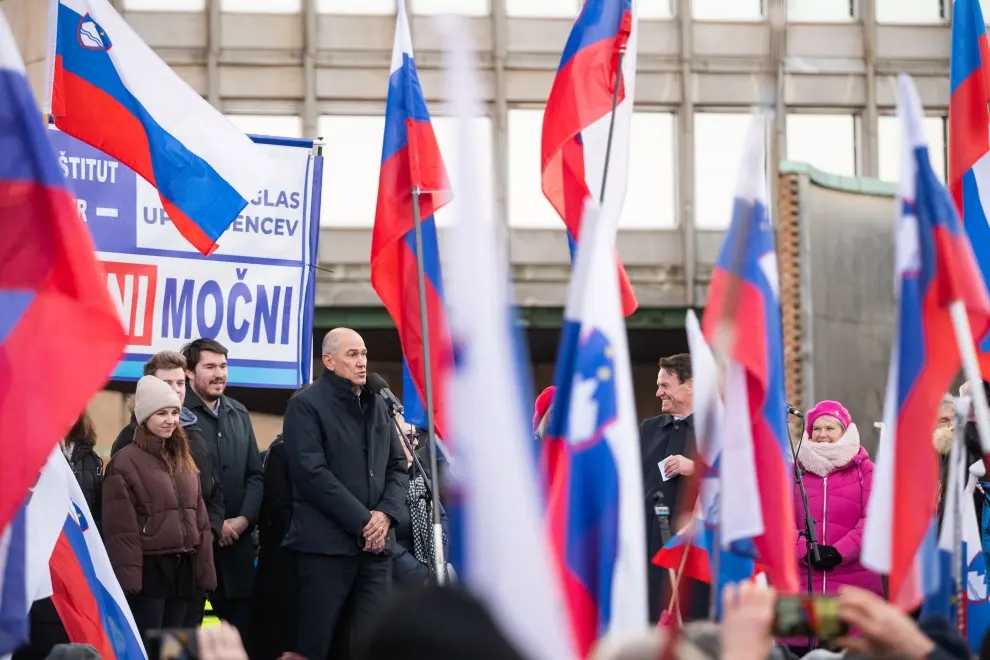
255 294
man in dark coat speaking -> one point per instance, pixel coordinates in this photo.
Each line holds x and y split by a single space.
667 444
349 481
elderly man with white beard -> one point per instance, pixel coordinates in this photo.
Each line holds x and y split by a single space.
667 445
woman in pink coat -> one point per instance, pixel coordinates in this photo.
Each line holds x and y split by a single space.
838 475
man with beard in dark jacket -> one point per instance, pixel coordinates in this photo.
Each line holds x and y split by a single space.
349 483
170 367
667 442
229 435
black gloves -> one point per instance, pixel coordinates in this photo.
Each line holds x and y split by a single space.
828 558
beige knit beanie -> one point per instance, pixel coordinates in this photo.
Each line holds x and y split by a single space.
153 395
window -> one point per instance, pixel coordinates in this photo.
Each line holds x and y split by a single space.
351 163
908 11
289 126
728 10
819 10
462 7
262 6
650 194
164 5
826 142
719 138
542 8
446 130
889 146
378 7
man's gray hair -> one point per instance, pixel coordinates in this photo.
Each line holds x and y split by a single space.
330 343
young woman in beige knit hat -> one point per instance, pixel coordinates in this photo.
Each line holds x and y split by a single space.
155 525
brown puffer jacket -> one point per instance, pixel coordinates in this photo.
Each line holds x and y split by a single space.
150 510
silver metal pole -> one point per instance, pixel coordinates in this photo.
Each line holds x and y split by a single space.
440 560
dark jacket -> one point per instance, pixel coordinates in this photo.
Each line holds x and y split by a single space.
209 477
88 468
234 450
275 607
151 509
660 437
345 461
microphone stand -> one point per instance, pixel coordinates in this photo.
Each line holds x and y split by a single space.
412 452
810 537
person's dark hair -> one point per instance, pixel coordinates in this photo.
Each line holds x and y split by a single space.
164 360
82 431
679 365
193 351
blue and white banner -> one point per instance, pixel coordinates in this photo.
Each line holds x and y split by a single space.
254 294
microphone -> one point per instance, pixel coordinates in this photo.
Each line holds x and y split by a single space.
791 410
379 386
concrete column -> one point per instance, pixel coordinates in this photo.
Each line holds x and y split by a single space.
310 113
685 156
500 118
28 21
869 149
213 35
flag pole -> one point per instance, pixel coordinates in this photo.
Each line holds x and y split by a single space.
971 368
440 562
611 124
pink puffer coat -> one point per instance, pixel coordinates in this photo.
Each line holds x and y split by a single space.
838 505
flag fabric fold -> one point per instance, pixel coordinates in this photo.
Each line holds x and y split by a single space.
14 603
577 123
594 499
498 542
742 324
969 138
52 292
411 161
110 90
934 269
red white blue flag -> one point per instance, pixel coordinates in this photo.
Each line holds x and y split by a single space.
578 132
742 321
110 90
411 160
56 310
595 497
969 138
934 270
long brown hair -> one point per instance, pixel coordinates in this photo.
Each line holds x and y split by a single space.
82 431
175 450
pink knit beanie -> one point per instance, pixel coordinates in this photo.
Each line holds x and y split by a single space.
832 409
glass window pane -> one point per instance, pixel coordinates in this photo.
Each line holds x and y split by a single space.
718 146
727 10
908 11
351 163
650 192
289 126
889 146
462 7
826 142
165 5
355 6
262 6
819 10
527 205
656 8
446 130
650 195
542 8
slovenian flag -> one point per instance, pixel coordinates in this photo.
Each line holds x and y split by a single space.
411 160
742 323
579 130
934 271
110 90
